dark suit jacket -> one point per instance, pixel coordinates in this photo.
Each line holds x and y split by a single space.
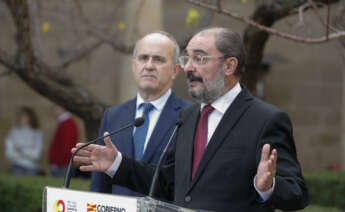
224 179
117 117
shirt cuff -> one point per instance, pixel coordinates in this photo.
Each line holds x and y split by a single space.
115 166
264 196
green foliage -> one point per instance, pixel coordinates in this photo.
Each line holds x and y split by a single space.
316 208
326 189
25 193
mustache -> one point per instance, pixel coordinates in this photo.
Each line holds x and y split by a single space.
192 77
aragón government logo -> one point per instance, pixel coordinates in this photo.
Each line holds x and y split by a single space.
59 206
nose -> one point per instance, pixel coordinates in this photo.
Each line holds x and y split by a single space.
149 64
188 66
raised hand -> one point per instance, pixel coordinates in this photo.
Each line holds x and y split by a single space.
267 169
96 157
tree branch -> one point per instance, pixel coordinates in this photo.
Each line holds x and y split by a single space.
270 30
108 38
316 11
44 79
7 61
219 5
328 18
102 34
80 54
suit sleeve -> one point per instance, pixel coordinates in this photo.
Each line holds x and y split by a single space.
290 191
137 176
99 180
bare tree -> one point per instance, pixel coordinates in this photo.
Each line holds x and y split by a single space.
51 81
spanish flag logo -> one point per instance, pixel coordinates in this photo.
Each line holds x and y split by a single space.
91 207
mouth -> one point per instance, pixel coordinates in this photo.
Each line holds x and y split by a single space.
193 79
148 76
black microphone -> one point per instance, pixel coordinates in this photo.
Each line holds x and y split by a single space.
137 122
158 167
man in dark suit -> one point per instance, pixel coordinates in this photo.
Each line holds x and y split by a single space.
154 66
233 151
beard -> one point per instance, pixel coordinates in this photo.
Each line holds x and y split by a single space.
210 90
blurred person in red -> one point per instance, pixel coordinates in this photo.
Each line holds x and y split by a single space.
65 137
24 143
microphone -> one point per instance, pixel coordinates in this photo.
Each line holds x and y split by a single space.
137 122
158 167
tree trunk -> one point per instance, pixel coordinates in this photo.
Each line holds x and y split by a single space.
48 82
255 40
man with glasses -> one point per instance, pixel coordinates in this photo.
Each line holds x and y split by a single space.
154 67
233 152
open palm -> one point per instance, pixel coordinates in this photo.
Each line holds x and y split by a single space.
96 157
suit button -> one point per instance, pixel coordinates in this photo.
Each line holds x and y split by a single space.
188 198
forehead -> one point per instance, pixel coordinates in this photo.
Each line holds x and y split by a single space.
202 43
155 44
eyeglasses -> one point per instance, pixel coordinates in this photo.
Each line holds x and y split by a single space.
197 60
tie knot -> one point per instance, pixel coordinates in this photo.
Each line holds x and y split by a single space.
147 107
207 110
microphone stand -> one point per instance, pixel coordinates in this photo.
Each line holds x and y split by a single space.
137 122
158 167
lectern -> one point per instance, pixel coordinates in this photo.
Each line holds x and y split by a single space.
68 200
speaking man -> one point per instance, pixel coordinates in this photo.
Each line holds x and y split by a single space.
233 151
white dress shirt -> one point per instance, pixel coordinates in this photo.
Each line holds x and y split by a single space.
154 115
220 106
158 106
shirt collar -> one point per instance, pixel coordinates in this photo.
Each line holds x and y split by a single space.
223 103
64 117
157 103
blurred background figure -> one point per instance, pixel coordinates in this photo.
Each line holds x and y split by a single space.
24 143
65 137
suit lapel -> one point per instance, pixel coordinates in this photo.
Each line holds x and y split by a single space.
187 137
124 140
165 122
229 120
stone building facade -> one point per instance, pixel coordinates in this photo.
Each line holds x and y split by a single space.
304 80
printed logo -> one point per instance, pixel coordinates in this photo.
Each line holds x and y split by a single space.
59 206
103 208
91 207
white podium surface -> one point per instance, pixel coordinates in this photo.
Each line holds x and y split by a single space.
67 200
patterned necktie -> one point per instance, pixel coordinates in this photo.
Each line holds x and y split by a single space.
139 136
200 137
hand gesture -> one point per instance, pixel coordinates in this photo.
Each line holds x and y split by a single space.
267 169
96 157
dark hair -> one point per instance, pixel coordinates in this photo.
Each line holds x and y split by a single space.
33 120
230 44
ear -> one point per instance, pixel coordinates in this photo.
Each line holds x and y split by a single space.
176 71
230 66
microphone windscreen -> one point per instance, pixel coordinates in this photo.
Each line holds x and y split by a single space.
138 122
179 122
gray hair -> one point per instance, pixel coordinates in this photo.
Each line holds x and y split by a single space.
230 44
168 35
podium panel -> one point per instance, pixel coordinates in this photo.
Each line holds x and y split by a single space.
68 200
